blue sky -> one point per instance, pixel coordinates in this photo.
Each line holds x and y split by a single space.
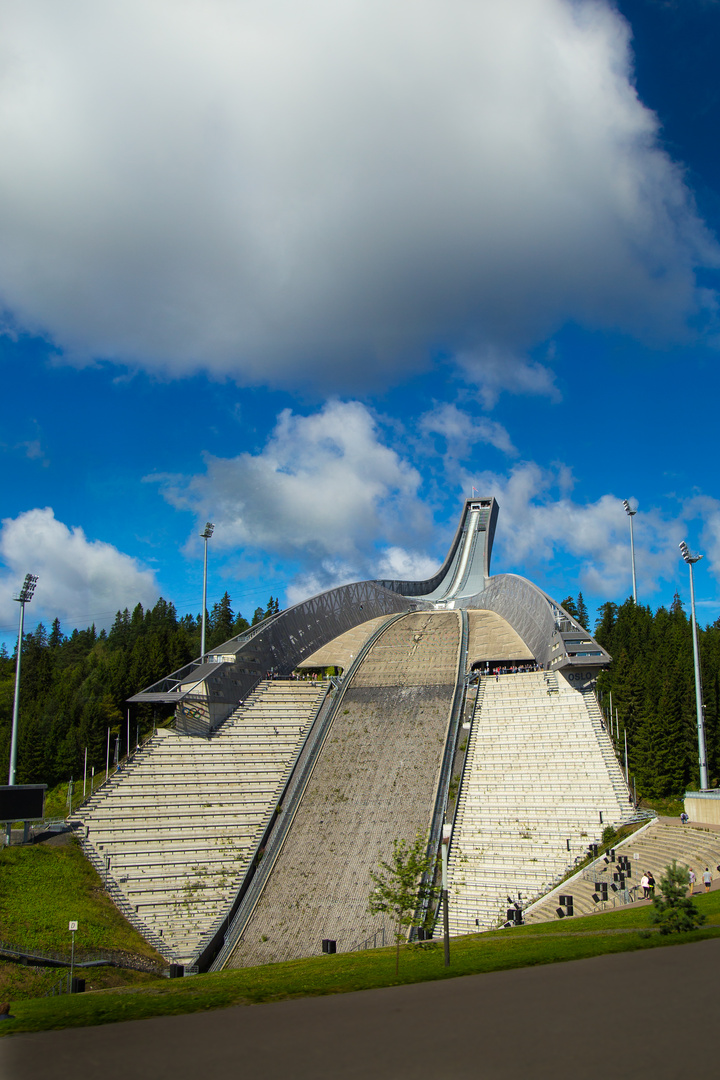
311 279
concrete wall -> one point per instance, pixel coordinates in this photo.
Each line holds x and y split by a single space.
703 807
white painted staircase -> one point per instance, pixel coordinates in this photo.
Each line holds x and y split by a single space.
176 828
540 783
652 848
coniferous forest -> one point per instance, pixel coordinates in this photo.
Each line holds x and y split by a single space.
74 687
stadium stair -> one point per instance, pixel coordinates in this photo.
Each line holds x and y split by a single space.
173 831
652 848
540 783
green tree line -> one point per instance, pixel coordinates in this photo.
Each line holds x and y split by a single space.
653 689
74 687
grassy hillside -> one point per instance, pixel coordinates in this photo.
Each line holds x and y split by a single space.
42 888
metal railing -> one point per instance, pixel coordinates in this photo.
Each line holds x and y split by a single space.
446 769
371 942
59 987
45 957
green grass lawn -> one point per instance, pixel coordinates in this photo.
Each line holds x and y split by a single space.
44 886
672 807
612 932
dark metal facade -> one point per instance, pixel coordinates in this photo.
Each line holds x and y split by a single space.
205 693
278 645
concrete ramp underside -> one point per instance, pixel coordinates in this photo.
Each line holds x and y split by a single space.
490 637
375 780
342 650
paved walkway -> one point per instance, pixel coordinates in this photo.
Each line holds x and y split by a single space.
652 1013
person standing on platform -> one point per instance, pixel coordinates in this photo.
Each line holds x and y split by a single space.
707 879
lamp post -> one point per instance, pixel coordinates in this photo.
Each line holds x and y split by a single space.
631 514
691 558
26 595
206 536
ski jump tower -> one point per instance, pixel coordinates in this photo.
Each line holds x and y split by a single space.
247 833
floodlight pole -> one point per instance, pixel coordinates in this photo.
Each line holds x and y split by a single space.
206 536
631 514
691 558
26 594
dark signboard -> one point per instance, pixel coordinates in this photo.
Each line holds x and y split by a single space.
22 802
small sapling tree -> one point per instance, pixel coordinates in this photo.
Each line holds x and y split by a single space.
673 909
401 885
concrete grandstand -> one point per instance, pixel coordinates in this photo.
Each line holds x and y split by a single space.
248 833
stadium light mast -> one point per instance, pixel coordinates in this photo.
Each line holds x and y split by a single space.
26 595
631 514
209 527
691 558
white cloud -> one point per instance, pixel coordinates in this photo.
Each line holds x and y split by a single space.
325 192
403 565
497 369
324 491
81 581
542 527
462 431
395 563
707 509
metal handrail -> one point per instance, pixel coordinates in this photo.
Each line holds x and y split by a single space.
83 958
127 760
443 788
366 943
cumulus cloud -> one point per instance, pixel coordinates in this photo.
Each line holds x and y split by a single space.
325 491
541 524
81 581
331 192
462 431
707 509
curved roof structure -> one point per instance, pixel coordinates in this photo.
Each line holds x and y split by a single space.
542 631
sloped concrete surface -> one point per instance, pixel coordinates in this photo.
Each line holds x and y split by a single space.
375 780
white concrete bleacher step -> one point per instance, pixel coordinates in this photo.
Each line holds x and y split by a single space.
539 774
653 848
181 821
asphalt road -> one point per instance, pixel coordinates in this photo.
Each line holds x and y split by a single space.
651 1014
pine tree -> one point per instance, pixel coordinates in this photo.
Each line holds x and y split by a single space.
221 622
673 909
56 636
